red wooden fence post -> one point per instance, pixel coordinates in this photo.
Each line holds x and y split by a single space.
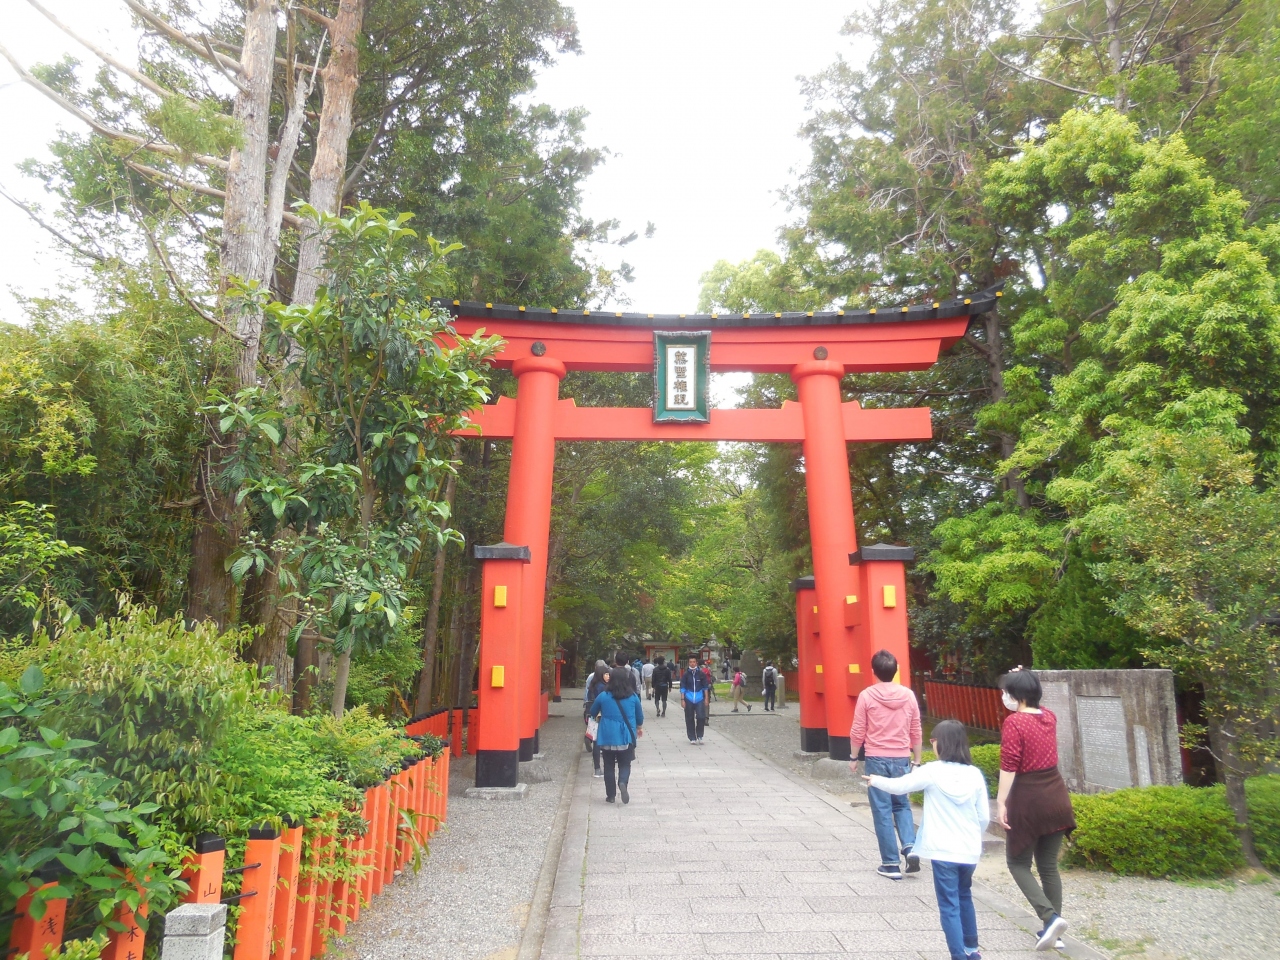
127 944
32 936
258 894
324 897
282 921
305 914
203 869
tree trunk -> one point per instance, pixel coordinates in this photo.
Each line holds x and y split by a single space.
992 350
431 636
306 669
244 254
261 607
341 673
341 78
1222 741
470 641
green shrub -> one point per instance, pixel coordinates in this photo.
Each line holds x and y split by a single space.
1156 832
61 814
156 698
1263 795
986 757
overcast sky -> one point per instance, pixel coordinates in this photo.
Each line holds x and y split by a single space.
698 100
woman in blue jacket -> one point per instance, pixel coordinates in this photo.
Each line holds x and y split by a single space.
621 723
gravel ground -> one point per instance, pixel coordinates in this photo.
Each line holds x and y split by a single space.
471 899
1127 917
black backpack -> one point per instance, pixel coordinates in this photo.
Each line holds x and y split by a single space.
661 676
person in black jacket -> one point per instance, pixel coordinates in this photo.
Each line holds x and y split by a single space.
660 680
695 687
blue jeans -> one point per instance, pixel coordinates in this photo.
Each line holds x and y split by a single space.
889 811
952 884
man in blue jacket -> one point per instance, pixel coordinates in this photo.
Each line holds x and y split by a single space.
695 685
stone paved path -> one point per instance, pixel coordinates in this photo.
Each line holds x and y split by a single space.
752 860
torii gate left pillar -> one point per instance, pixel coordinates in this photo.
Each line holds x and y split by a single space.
528 520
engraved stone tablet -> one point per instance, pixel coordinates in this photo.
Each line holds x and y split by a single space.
1142 755
1056 696
1103 741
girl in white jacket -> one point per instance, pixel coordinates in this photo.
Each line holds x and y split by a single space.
956 812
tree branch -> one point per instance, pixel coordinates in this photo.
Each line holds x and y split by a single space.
101 128
292 219
44 226
140 78
1032 76
177 283
199 188
203 50
315 16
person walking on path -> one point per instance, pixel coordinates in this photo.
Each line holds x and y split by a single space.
886 730
956 812
621 665
621 725
770 691
661 684
595 684
739 688
646 674
1032 803
694 686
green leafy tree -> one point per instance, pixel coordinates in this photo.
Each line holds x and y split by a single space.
1158 294
384 380
1194 545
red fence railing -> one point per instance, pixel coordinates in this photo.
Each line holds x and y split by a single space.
972 705
289 909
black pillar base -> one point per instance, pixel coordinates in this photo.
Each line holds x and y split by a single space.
528 747
497 768
537 741
555 699
813 739
838 748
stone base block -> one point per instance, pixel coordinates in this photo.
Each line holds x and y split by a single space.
824 768
534 771
207 947
809 754
519 792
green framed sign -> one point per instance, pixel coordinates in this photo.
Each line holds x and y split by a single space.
681 376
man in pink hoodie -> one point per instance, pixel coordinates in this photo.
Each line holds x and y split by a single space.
886 733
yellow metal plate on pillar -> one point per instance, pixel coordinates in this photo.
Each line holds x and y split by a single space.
498 677
499 596
817 668
890 595
855 668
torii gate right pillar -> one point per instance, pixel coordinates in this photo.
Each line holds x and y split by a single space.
832 534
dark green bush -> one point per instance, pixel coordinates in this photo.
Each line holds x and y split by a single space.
1156 832
986 757
1264 815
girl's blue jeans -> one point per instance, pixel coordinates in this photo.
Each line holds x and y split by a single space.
953 886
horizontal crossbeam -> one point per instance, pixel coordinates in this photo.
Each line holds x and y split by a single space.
776 425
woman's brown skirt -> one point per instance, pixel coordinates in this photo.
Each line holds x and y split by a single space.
1038 805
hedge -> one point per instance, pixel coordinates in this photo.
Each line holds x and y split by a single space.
1173 831
1159 831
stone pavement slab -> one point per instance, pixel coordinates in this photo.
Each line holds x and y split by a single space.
722 853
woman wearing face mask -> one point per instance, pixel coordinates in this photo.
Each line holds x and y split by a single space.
1032 803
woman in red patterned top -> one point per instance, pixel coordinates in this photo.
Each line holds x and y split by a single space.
1032 803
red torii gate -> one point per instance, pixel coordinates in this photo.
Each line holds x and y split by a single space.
856 602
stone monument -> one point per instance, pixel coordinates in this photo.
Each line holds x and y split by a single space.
1116 728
